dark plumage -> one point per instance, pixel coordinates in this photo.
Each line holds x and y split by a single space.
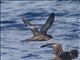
60 54
42 34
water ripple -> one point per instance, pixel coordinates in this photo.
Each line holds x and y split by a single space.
69 36
30 55
10 48
65 28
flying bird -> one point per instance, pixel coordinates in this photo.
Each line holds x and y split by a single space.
60 54
42 34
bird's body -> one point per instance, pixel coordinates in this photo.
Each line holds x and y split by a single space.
56 58
60 54
38 37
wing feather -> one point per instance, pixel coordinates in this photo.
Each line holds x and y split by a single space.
48 24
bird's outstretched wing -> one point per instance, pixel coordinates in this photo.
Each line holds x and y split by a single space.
48 24
32 28
47 44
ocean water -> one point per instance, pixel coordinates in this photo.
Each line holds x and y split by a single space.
65 29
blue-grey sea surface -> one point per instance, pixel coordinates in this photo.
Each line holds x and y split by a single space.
65 29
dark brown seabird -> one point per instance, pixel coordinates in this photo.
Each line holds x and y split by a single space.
42 34
60 54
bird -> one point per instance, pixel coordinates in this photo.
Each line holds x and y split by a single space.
42 34
60 54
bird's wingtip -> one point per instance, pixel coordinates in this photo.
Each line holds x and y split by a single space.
47 45
53 14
